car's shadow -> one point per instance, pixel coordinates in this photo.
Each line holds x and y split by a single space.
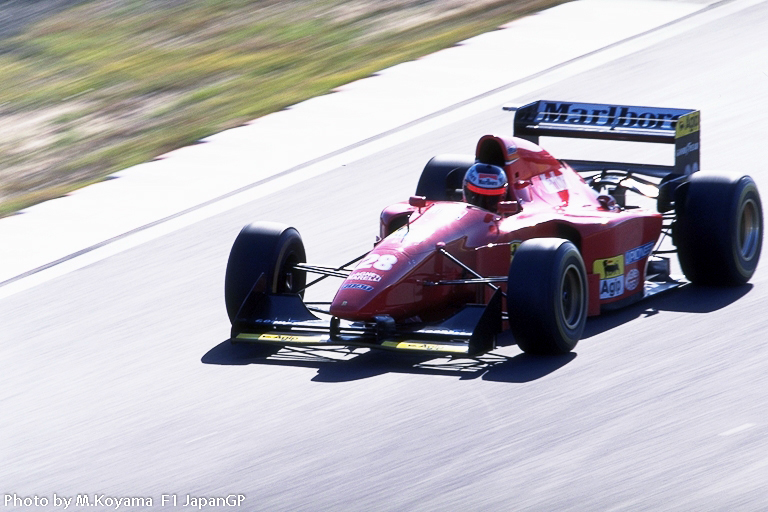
343 365
686 299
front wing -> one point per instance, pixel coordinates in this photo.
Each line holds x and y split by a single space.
285 320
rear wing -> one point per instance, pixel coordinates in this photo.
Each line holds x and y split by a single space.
614 122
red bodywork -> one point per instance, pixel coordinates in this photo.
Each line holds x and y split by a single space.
398 277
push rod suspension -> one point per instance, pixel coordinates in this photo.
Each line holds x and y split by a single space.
462 265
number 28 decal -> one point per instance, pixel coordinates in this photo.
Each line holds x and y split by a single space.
377 261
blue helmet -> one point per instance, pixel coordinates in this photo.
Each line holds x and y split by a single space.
485 185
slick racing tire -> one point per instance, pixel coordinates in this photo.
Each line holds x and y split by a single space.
267 248
547 296
442 177
719 228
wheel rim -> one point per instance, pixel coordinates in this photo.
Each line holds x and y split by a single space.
748 230
571 297
287 282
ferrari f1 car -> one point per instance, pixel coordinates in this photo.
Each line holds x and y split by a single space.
446 277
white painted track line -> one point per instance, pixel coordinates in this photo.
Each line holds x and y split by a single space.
737 430
196 182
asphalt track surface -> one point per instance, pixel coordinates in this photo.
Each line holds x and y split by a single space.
118 379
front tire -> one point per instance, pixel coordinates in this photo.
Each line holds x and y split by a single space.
547 296
267 248
719 228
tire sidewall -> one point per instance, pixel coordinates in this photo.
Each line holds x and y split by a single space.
290 249
261 248
709 212
439 171
535 296
570 263
744 268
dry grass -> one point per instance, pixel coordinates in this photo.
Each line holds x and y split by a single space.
112 83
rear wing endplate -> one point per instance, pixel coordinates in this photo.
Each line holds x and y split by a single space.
614 122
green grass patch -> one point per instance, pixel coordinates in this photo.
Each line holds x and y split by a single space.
113 84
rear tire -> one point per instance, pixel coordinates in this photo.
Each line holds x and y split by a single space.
547 296
266 248
719 228
442 177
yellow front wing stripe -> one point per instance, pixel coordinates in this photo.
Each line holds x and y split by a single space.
432 347
283 338
398 345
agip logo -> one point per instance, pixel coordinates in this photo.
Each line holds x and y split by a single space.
609 267
687 124
611 272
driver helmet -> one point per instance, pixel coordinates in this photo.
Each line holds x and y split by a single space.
485 185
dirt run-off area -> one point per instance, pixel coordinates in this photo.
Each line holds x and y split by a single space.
89 87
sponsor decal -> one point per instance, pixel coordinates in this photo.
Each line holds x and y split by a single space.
489 180
610 288
633 279
553 181
412 345
609 267
511 154
638 253
356 286
513 246
280 338
613 116
688 148
687 124
364 276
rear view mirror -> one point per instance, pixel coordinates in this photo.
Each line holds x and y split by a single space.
418 201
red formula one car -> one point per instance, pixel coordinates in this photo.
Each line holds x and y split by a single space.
563 244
